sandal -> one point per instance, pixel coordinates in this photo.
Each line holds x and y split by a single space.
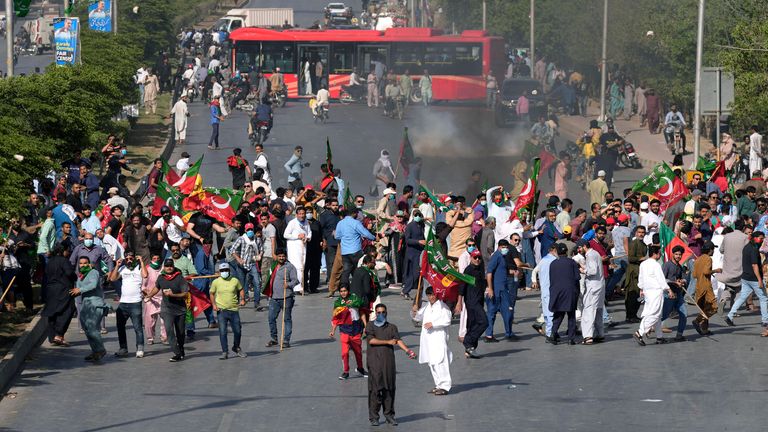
588 341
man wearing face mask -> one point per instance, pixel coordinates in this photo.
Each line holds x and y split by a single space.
98 258
471 298
174 287
297 235
314 252
433 342
226 295
132 272
280 290
414 246
497 297
246 252
382 338
93 311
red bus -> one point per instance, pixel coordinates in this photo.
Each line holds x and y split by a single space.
456 63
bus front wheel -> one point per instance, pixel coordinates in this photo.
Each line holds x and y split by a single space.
416 95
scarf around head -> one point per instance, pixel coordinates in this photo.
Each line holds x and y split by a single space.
385 162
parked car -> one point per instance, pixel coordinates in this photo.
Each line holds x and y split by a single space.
337 9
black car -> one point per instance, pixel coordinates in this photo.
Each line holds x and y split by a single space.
506 102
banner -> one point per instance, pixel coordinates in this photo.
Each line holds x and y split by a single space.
65 35
100 15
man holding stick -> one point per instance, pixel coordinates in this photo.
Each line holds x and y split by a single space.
280 292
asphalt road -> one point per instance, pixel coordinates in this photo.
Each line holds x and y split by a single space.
707 384
27 62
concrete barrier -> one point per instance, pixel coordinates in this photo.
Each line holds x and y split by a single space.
13 362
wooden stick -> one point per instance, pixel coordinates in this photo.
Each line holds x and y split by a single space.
204 277
282 327
418 290
7 289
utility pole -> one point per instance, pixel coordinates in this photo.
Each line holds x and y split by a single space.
532 54
66 8
9 17
697 103
413 13
603 61
484 10
114 16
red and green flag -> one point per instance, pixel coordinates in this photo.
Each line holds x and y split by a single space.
547 159
197 303
191 179
705 165
662 184
219 203
528 195
346 311
719 177
169 175
669 240
169 196
328 174
440 274
406 153
435 201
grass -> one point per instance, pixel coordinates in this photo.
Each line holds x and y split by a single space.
147 139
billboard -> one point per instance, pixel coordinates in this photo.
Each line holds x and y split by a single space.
100 15
65 39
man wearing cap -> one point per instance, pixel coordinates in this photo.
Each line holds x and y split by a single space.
245 255
497 297
226 295
566 240
597 188
594 294
472 298
172 227
564 276
386 207
115 199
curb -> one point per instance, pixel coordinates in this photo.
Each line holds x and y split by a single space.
13 362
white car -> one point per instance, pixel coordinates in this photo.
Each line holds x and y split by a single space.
338 9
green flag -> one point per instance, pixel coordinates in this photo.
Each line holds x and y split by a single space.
440 206
440 263
705 166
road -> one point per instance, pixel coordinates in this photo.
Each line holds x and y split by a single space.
707 384
27 63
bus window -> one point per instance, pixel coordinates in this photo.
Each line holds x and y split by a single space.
246 55
367 54
313 60
278 54
453 59
342 58
407 56
468 60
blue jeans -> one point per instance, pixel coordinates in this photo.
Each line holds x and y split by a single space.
748 287
123 313
676 304
618 274
275 306
499 303
512 285
253 279
233 318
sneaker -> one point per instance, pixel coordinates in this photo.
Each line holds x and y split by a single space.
150 342
362 372
240 353
729 321
224 356
210 147
271 343
121 353
344 376
139 354
104 331
176 358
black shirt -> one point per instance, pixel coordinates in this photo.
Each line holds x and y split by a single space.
474 295
115 225
172 305
510 258
750 256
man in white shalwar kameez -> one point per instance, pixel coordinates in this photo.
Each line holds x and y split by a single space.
755 150
297 234
433 343
594 294
180 113
464 261
652 284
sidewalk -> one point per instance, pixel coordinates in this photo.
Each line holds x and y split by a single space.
651 149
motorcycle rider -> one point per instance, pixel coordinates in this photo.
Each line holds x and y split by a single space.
609 152
263 86
277 81
391 94
673 119
323 99
542 132
262 113
188 79
243 89
355 87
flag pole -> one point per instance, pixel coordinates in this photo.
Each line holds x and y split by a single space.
14 278
282 327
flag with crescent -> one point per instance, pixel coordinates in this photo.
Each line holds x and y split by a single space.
169 175
219 203
527 195
662 184
169 196
440 274
191 179
669 240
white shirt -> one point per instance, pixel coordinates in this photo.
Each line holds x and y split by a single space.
132 281
217 89
213 64
112 246
322 97
141 76
651 276
260 161
182 165
173 232
433 342
188 74
464 261
294 228
647 220
354 79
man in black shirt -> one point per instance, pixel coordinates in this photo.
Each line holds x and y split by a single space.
174 306
328 220
473 297
514 263
752 281
673 273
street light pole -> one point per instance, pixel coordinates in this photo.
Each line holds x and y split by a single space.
484 9
603 62
532 54
9 37
697 100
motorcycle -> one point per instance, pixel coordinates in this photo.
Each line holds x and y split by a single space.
741 169
346 96
278 98
628 157
398 108
319 112
674 136
238 102
259 134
